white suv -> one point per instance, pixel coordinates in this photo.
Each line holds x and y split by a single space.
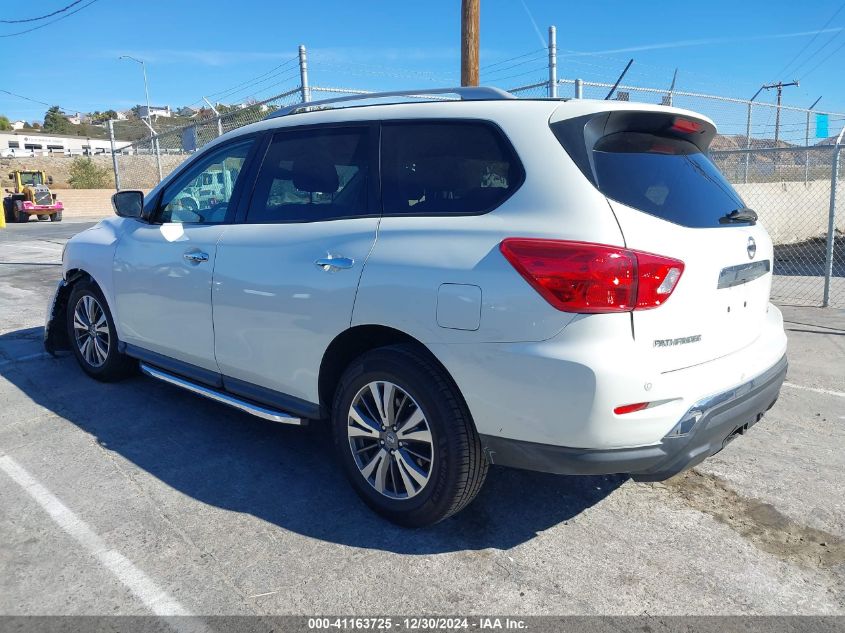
569 287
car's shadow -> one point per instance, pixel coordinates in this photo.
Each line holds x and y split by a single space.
285 475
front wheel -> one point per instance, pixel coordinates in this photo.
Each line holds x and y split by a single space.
92 334
43 217
405 437
23 216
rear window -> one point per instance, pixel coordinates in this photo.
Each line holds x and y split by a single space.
446 168
666 177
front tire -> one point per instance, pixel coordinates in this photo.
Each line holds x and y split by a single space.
92 335
23 216
405 438
9 211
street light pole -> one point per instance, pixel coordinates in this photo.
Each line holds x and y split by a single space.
153 135
146 84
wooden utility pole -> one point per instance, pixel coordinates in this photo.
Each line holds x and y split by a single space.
469 42
779 86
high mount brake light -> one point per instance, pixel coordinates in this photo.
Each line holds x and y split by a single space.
593 278
686 126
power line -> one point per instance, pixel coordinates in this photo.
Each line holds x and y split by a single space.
257 91
808 44
527 72
510 59
42 17
41 26
250 87
257 77
836 50
530 60
818 51
49 105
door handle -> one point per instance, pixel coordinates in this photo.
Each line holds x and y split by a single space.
333 263
196 258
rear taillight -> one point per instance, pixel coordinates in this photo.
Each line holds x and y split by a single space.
589 278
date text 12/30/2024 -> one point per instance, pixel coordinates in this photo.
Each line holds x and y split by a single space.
416 624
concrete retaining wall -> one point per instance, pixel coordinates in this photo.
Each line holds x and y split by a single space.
792 211
56 166
86 202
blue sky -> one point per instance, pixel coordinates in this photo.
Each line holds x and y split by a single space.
194 49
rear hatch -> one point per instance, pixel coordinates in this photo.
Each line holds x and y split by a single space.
671 200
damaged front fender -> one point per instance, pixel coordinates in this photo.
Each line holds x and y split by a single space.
55 327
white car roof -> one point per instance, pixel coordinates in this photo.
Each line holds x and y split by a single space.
496 110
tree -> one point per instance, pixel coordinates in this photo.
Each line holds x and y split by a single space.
86 174
5 124
102 117
35 125
55 121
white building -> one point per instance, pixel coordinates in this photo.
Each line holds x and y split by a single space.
29 144
18 125
154 111
76 119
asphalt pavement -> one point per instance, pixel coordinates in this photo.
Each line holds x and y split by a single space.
137 498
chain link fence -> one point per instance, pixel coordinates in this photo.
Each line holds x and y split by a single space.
144 163
787 181
791 191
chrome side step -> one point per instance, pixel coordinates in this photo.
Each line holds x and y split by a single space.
219 396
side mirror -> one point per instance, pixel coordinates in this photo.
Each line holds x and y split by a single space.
128 204
49 180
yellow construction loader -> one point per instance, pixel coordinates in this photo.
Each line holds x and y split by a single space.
31 196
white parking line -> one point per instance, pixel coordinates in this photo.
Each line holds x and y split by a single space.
155 598
829 392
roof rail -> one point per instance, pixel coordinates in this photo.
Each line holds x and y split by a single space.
466 93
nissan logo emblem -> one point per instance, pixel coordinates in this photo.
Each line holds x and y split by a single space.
751 248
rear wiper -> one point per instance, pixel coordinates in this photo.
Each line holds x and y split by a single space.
739 215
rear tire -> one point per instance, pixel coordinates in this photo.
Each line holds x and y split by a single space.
56 217
92 335
413 455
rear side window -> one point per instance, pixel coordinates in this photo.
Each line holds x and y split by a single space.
446 168
313 175
666 177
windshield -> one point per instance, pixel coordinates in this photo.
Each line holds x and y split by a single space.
666 177
31 178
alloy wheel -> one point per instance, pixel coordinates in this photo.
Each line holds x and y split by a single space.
390 440
91 331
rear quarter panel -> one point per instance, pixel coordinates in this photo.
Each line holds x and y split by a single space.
413 256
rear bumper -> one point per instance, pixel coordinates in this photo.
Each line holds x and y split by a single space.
707 427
